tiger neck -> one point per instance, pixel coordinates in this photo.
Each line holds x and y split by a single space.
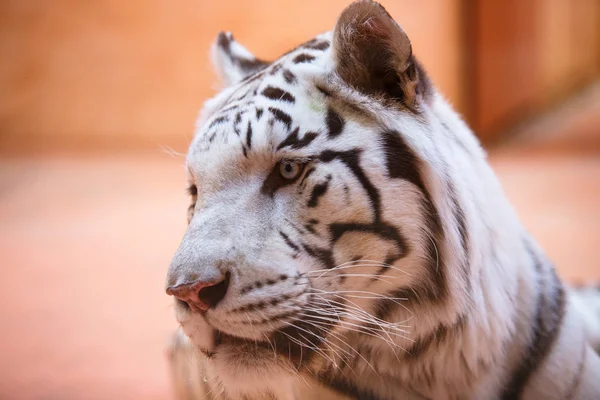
442 358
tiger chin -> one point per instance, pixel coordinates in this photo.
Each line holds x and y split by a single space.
347 239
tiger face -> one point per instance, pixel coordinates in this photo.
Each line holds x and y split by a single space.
323 216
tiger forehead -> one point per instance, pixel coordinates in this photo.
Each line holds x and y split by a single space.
265 107
288 71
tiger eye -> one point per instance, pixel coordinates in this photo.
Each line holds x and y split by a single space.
289 170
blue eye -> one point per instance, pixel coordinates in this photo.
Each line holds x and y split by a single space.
290 170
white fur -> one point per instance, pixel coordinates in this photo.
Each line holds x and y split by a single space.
232 217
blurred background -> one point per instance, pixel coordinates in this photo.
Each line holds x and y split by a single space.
97 104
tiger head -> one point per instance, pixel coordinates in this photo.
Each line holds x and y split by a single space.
327 209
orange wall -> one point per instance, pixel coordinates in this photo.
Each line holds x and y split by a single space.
529 55
116 73
569 32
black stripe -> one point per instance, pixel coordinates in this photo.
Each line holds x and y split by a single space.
318 191
389 260
401 161
274 93
435 338
460 218
249 136
324 91
265 303
275 69
251 65
281 116
289 76
217 121
288 241
310 229
309 226
316 44
236 123
335 123
383 230
259 113
246 64
546 326
303 58
323 255
295 143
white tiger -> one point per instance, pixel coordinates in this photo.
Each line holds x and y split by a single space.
348 239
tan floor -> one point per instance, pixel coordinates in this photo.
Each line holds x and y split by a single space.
85 242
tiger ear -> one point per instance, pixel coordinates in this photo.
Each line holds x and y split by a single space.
374 55
232 61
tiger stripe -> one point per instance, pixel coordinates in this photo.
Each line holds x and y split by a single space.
549 313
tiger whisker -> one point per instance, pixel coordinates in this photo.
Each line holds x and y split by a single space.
376 333
168 150
315 347
382 325
372 276
317 325
361 310
349 326
360 263
294 371
264 334
341 339
372 295
398 323
363 319
325 315
390 341
327 270
369 332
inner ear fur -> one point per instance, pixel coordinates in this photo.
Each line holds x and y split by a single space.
232 61
374 55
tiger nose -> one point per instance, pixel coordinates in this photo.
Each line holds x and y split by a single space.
201 295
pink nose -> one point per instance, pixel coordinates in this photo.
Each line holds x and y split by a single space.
200 295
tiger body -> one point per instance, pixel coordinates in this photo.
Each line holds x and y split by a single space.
365 247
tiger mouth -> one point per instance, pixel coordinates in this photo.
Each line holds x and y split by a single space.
291 343
250 348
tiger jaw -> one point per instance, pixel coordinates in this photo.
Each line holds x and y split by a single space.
229 340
